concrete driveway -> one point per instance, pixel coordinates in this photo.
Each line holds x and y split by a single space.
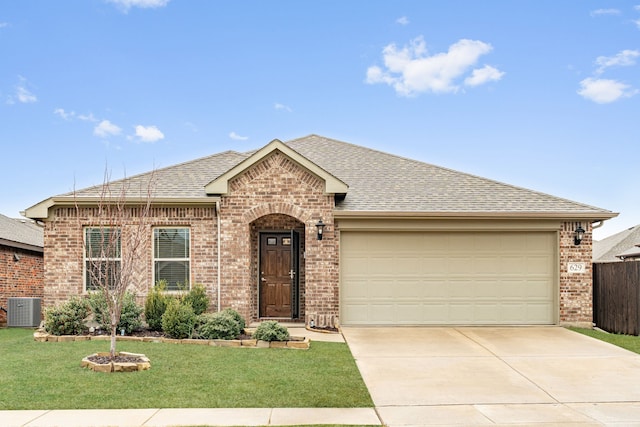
496 376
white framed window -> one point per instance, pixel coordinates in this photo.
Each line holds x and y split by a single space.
102 257
171 257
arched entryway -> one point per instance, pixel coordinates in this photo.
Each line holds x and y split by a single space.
278 267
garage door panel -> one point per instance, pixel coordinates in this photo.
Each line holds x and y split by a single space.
448 278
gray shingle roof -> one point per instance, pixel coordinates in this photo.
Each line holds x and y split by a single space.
20 233
608 249
377 182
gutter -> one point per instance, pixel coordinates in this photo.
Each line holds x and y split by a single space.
593 216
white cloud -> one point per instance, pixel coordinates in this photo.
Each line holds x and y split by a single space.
65 115
403 20
604 91
22 94
237 137
282 107
149 133
411 70
637 22
4 24
624 58
71 115
105 129
125 5
483 75
600 12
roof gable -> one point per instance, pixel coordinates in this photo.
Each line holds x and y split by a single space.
220 185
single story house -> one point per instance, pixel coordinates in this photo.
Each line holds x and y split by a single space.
622 246
21 261
325 232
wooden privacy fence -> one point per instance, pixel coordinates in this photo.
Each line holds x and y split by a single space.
616 297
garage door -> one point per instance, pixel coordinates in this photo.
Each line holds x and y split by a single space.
444 278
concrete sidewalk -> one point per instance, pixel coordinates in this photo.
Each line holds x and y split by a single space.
189 417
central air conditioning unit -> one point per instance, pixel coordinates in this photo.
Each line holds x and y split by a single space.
24 312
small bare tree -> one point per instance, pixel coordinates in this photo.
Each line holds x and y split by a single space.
113 239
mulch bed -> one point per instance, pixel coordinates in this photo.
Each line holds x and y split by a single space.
103 360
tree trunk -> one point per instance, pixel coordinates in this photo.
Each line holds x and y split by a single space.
112 349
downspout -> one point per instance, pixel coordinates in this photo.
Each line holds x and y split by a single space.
219 257
600 223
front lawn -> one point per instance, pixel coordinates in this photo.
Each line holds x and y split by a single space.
630 342
47 375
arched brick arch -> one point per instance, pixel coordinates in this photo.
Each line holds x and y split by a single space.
275 208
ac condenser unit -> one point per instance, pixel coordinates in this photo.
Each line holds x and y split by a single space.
23 312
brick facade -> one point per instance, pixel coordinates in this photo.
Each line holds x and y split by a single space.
273 194
21 275
576 289
64 249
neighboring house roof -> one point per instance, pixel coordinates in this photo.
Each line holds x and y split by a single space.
21 233
624 243
376 183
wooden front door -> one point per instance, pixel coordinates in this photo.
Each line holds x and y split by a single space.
278 275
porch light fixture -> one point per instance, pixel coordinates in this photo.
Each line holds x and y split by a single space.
320 226
578 235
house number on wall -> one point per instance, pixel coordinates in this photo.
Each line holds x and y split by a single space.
577 267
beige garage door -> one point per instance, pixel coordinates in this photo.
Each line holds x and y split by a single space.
434 278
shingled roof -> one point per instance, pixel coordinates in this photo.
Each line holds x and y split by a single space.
21 233
623 243
377 182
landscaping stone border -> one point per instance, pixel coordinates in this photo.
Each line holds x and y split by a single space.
299 343
142 365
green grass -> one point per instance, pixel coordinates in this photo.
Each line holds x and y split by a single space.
47 375
629 342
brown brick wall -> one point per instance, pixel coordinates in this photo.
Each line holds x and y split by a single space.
64 250
278 186
576 289
19 278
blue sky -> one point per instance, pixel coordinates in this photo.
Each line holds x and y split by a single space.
540 94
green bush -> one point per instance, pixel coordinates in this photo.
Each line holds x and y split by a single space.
178 320
197 298
155 305
129 316
233 313
222 326
271 330
67 318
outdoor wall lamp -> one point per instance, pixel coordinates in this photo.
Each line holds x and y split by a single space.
578 235
320 226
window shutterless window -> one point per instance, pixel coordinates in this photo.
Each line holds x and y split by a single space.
171 257
102 257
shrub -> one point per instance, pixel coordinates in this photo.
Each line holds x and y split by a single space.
178 320
67 318
271 330
129 316
233 313
155 305
220 325
197 298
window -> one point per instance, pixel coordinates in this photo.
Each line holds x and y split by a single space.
102 257
171 257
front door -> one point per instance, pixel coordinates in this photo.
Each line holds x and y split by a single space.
278 275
